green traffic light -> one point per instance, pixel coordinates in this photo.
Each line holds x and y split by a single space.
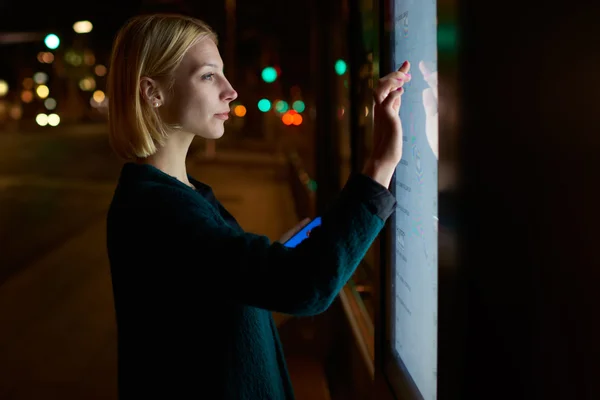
264 105
269 74
52 41
298 105
340 67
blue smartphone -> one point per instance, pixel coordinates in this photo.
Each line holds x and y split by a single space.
303 234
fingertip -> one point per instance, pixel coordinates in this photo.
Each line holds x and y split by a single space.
405 67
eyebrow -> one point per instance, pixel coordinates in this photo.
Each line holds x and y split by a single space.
208 65
199 67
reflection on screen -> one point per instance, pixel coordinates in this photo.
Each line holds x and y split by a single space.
415 264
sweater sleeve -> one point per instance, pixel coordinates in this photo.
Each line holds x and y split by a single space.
251 270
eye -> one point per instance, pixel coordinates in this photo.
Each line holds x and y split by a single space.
208 77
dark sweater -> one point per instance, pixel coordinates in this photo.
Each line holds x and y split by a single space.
194 293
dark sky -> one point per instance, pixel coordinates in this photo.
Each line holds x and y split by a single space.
281 23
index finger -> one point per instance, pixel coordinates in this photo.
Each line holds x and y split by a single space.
405 67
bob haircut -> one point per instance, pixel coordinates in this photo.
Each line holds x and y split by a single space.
146 46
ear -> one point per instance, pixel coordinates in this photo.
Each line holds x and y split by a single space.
151 92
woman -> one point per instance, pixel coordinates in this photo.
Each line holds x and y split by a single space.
193 292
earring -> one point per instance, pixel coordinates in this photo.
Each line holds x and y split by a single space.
156 104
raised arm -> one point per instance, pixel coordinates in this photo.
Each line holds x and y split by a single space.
249 269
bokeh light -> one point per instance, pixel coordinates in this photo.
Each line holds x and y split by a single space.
239 110
100 70
40 78
42 91
83 26
50 103
52 41
3 87
53 119
98 96
264 105
41 119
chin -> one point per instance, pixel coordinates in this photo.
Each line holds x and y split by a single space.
216 134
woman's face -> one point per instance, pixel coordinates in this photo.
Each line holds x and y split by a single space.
199 101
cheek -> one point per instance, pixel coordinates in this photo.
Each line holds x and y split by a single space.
197 103
190 111
191 105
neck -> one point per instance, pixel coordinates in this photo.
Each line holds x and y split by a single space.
170 158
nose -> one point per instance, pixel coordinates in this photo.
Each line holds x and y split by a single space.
228 94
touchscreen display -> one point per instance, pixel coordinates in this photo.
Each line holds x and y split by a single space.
415 266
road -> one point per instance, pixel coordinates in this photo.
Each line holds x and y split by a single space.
56 312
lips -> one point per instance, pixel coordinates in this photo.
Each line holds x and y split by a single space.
224 115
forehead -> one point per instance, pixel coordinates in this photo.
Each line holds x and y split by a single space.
202 53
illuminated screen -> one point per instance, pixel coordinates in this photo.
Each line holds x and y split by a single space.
414 260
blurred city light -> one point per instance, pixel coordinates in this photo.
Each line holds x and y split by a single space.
27 96
264 105
40 78
269 74
296 119
16 111
52 41
299 106
239 110
340 67
53 119
100 70
447 37
83 26
287 118
98 96
3 87
50 103
45 57
281 106
42 91
73 58
292 117
87 84
41 119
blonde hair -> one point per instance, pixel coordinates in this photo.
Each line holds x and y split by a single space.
146 46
